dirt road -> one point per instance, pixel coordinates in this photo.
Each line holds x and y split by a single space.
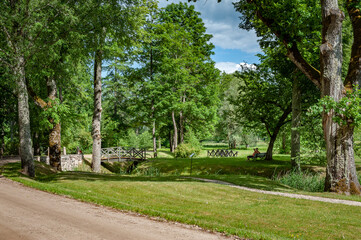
27 213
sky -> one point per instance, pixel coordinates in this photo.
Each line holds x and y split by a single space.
233 46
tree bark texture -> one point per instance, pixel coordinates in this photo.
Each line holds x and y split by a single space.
284 142
171 141
269 153
55 132
96 134
2 143
153 132
36 144
159 143
354 70
296 123
181 121
26 153
181 127
341 174
175 133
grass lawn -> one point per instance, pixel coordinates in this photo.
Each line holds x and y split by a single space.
211 206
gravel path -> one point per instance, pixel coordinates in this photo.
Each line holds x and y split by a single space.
291 195
29 214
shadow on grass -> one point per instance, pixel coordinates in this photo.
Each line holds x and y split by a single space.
12 170
46 175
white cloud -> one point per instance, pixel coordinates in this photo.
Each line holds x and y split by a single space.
222 20
227 36
231 67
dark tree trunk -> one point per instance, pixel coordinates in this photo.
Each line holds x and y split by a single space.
36 144
273 136
2 143
26 152
55 147
284 142
171 141
55 132
175 132
296 123
97 114
181 127
341 173
153 132
181 121
269 153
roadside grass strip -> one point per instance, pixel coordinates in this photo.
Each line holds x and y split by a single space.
211 206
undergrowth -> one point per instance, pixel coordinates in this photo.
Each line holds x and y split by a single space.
306 181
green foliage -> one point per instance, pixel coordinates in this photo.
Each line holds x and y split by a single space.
134 140
185 150
53 113
191 138
347 111
151 172
145 140
305 181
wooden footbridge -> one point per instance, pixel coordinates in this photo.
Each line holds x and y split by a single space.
121 154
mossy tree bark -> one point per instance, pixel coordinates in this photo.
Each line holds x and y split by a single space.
97 114
55 132
26 153
341 173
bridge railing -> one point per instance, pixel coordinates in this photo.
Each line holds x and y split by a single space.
123 153
222 153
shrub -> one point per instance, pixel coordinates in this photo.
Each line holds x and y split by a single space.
306 181
184 150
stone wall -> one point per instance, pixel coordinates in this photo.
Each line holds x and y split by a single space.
68 162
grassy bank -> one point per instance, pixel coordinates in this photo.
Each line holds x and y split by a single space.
210 206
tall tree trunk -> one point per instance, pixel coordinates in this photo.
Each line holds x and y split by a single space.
96 134
171 141
296 123
175 133
2 143
153 132
26 153
55 132
341 171
273 136
181 121
269 153
181 128
36 144
284 142
159 143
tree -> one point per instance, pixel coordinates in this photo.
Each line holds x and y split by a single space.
296 32
177 77
264 97
24 27
116 29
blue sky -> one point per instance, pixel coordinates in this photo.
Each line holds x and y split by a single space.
234 46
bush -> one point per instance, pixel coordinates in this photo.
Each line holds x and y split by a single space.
184 150
303 181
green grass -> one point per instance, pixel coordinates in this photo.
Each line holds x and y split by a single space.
211 206
219 166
